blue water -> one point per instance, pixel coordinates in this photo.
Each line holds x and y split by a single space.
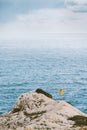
23 70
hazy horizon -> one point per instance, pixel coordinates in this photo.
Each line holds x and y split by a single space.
43 23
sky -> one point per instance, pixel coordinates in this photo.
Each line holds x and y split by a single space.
43 23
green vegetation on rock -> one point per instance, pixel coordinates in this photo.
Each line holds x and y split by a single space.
43 92
79 120
16 110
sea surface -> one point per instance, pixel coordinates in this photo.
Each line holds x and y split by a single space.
23 70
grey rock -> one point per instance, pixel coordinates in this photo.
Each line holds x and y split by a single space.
36 111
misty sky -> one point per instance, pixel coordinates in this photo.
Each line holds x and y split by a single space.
43 23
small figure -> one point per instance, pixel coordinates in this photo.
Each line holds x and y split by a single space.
61 91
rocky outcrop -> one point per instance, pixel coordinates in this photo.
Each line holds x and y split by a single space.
37 110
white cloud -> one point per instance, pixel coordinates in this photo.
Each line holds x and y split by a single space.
46 25
76 1
77 5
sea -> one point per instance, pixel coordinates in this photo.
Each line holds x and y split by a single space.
23 70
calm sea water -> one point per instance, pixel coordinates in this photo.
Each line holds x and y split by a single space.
23 70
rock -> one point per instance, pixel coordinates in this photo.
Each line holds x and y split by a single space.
36 111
